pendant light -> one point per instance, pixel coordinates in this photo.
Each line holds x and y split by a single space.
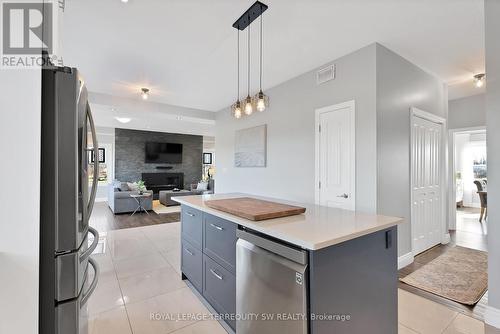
261 100
145 93
236 107
248 100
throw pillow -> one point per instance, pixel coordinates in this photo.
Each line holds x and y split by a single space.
133 186
124 186
203 186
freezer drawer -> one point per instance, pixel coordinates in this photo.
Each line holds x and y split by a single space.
270 285
71 269
71 317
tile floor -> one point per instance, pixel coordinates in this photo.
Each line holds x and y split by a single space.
140 275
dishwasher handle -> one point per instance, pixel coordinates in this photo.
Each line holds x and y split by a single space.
296 255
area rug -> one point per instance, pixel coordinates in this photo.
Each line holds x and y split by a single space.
460 274
162 209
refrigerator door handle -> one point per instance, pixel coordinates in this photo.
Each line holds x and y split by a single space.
93 285
92 247
96 163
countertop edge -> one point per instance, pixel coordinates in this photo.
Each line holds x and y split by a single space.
301 243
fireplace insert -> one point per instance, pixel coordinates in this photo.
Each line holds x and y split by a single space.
163 181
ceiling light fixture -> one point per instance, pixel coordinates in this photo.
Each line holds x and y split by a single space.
124 1
145 93
123 119
260 100
479 80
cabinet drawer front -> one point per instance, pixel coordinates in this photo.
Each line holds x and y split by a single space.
192 226
219 288
220 241
192 264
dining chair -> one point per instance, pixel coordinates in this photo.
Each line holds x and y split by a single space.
483 197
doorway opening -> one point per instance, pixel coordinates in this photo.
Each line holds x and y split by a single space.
468 203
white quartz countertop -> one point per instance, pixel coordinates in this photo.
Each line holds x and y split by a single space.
317 228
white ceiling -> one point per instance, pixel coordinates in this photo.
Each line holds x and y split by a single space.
185 50
108 110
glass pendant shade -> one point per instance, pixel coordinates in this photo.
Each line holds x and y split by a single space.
261 101
248 105
479 80
236 110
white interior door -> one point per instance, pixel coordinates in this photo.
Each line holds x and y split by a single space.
335 156
427 206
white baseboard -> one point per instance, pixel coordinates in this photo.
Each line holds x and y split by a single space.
472 205
446 239
492 316
104 199
405 260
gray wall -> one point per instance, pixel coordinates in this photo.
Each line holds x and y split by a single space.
384 86
130 155
467 112
492 12
290 144
400 85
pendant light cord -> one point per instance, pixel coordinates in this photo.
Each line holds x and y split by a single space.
248 67
238 70
260 52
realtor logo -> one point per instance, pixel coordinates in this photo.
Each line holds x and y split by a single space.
27 28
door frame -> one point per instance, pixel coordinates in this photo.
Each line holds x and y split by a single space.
348 104
452 187
443 180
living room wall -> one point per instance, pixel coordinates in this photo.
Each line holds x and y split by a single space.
130 155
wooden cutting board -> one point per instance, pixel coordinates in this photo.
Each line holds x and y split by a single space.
254 209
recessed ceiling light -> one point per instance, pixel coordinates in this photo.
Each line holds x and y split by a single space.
123 119
145 93
479 80
124 1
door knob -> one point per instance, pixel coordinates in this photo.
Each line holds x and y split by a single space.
343 195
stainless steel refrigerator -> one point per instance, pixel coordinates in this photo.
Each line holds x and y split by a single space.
68 139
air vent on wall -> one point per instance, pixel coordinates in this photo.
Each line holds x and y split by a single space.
325 74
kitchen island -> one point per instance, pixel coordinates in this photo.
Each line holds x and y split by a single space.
325 271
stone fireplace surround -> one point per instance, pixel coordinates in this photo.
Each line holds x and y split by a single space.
130 165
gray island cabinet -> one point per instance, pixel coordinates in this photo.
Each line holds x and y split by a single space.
348 275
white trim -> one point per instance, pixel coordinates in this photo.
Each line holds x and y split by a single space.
470 128
349 104
427 115
102 199
472 205
405 260
452 186
415 112
446 239
492 316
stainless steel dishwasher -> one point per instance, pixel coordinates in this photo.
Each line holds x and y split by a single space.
271 286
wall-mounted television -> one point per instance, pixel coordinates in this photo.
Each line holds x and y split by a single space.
169 153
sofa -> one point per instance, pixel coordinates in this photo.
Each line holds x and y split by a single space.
119 199
165 196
